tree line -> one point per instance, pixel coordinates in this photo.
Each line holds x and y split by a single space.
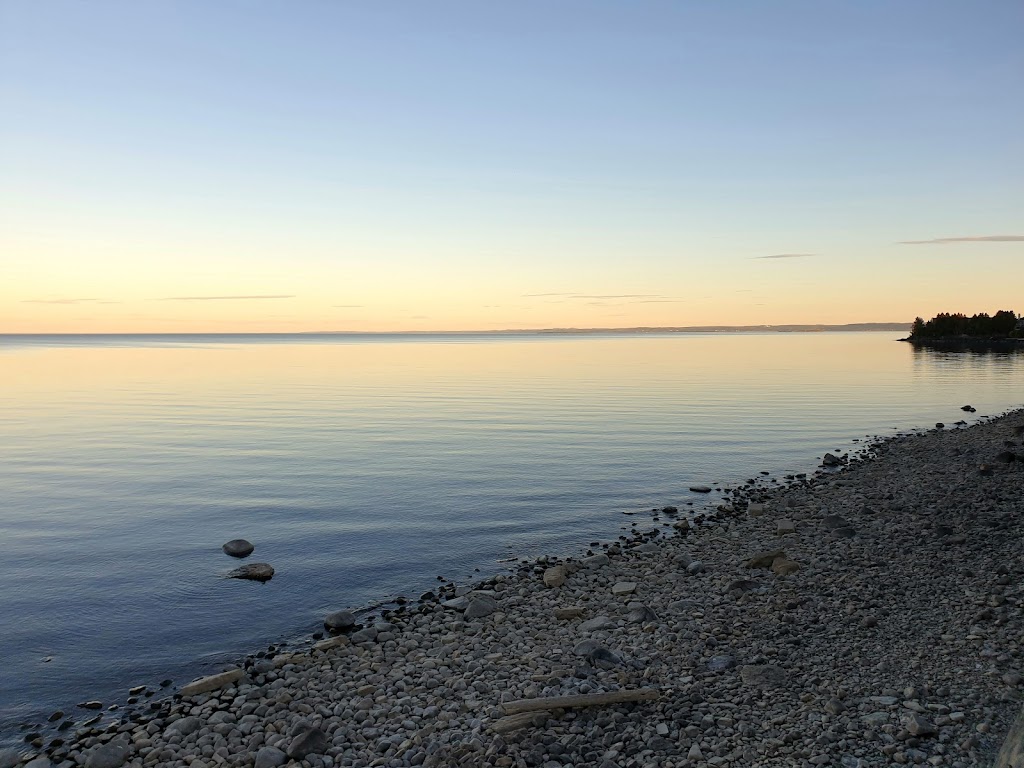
1004 323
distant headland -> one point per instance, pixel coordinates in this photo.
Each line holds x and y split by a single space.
1003 329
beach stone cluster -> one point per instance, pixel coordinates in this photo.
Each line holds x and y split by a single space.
869 615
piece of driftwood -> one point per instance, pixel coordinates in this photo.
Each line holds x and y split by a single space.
522 720
1012 753
583 700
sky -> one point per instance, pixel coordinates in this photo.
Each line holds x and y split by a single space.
385 166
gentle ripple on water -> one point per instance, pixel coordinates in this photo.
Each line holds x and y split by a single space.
363 467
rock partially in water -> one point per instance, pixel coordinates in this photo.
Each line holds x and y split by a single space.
238 548
700 488
253 572
829 460
9 758
339 621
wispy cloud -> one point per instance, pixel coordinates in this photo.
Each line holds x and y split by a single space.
785 256
607 299
616 296
348 306
227 298
976 239
57 301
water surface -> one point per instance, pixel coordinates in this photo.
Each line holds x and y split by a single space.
363 467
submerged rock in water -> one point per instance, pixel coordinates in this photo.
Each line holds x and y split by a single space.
253 572
238 548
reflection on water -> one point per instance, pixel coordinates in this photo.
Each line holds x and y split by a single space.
364 467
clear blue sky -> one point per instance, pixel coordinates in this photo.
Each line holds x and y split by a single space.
383 165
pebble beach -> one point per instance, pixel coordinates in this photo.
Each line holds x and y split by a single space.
867 615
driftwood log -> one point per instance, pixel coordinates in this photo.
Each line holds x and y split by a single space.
1012 753
534 712
583 700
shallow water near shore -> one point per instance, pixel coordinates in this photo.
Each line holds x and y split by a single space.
364 467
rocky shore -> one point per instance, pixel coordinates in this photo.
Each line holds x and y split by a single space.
865 616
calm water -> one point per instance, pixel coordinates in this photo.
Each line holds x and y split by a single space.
362 468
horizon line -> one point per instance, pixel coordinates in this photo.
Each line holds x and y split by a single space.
563 329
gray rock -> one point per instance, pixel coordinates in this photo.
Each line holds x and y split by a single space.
308 741
741 585
270 757
9 757
831 461
835 521
555 576
875 719
596 561
785 527
253 572
366 635
456 603
765 559
721 663
564 614
238 548
763 675
624 588
695 567
604 658
480 606
918 725
185 726
339 621
112 755
700 488
584 647
40 762
834 706
641 615
597 624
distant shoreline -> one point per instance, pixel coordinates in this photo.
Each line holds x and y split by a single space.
967 342
640 330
